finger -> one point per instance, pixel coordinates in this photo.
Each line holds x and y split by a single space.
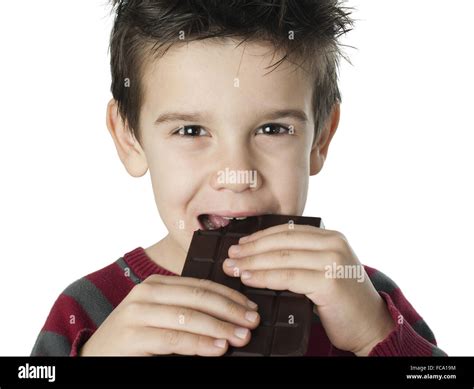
200 299
281 259
285 240
282 228
206 284
185 319
159 341
295 280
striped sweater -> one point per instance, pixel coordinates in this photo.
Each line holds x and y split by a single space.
84 305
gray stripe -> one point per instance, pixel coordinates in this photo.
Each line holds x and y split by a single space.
127 271
51 344
437 352
382 282
423 330
91 299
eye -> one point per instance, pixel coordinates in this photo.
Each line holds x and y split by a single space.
275 129
190 131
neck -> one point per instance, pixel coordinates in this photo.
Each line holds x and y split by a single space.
168 254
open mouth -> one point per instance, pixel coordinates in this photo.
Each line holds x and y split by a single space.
213 222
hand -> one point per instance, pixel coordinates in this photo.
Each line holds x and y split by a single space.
175 315
302 259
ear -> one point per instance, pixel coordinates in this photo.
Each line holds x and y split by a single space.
320 147
128 148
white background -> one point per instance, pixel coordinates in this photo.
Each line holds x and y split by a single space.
397 182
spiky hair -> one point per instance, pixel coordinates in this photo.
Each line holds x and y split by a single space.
306 31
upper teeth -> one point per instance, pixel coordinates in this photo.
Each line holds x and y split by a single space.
237 218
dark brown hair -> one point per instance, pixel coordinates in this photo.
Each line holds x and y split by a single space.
305 30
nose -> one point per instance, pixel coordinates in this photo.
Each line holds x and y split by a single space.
235 171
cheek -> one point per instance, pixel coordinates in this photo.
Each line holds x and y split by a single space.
291 190
172 179
288 177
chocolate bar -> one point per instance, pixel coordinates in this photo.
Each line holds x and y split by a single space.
285 317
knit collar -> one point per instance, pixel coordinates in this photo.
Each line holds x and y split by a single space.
143 266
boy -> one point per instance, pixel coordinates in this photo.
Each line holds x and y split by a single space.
192 98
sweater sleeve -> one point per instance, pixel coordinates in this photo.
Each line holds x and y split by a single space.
74 317
81 308
411 335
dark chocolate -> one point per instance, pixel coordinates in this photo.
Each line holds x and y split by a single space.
285 317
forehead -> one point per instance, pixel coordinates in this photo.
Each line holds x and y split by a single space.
220 74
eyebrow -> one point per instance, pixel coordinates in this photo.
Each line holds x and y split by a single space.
167 117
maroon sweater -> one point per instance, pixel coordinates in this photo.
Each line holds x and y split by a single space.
84 305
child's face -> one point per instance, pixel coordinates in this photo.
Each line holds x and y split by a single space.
228 165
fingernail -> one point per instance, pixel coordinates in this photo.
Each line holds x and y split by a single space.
235 248
246 275
251 316
241 332
229 262
220 343
251 304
